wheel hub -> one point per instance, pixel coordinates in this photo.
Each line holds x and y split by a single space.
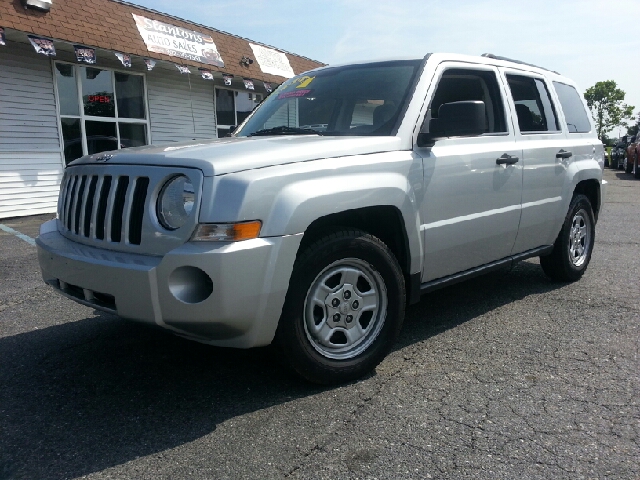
343 306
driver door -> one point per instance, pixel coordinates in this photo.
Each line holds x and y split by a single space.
471 208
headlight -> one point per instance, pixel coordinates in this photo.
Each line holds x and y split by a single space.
175 202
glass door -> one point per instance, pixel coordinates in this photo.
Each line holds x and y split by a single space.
232 107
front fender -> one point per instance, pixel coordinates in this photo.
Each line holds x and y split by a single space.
288 198
301 203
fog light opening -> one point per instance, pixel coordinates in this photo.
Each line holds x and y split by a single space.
190 284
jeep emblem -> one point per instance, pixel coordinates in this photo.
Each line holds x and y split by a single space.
104 158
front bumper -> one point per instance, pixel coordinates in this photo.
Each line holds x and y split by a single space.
239 307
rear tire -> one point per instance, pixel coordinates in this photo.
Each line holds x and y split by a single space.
628 164
636 172
572 249
344 308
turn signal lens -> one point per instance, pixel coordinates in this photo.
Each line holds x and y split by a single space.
226 232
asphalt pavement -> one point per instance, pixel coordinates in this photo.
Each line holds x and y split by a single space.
508 376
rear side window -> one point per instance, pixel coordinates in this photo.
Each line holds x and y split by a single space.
533 104
458 85
573 108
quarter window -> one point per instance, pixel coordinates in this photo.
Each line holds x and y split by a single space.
573 108
533 104
100 110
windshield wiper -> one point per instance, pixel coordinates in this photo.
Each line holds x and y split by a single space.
284 130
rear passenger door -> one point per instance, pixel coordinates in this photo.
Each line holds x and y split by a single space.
471 205
546 156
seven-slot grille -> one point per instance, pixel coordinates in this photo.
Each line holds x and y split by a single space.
103 207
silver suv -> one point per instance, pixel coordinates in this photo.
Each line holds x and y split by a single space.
347 194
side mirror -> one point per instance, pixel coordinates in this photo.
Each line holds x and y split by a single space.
232 129
455 119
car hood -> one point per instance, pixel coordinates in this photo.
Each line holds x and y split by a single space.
229 155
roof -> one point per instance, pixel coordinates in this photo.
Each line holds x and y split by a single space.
109 24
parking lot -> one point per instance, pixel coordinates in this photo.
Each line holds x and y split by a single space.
505 376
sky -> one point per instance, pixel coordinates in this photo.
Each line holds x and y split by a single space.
587 40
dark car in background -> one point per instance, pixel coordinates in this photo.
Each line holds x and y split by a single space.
618 153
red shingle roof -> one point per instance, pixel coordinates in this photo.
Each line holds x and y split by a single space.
108 24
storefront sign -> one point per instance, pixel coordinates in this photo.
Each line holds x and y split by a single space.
2 41
248 84
43 45
177 42
85 54
125 59
99 98
206 73
271 61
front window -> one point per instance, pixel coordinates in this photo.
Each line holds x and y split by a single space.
100 110
352 100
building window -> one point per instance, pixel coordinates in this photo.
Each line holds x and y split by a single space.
232 107
100 109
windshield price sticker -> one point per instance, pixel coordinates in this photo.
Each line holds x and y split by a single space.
304 81
294 94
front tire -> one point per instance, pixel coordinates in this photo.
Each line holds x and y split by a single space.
344 308
572 249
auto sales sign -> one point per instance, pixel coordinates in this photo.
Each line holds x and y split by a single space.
177 42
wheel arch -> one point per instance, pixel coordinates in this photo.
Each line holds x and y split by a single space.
382 221
591 189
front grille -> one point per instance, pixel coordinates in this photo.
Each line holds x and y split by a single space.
103 207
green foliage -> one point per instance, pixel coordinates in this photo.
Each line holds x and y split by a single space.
606 102
633 129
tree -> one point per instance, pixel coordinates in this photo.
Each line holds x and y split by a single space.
633 129
606 102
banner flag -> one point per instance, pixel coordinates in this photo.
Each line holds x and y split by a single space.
43 45
206 73
150 63
183 69
85 54
125 58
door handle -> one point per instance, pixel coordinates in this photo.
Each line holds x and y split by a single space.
506 159
563 154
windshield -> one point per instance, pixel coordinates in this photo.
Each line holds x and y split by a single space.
352 100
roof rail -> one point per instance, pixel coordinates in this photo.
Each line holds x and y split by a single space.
496 57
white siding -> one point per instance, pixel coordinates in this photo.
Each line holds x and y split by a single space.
29 183
178 111
30 156
286 115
